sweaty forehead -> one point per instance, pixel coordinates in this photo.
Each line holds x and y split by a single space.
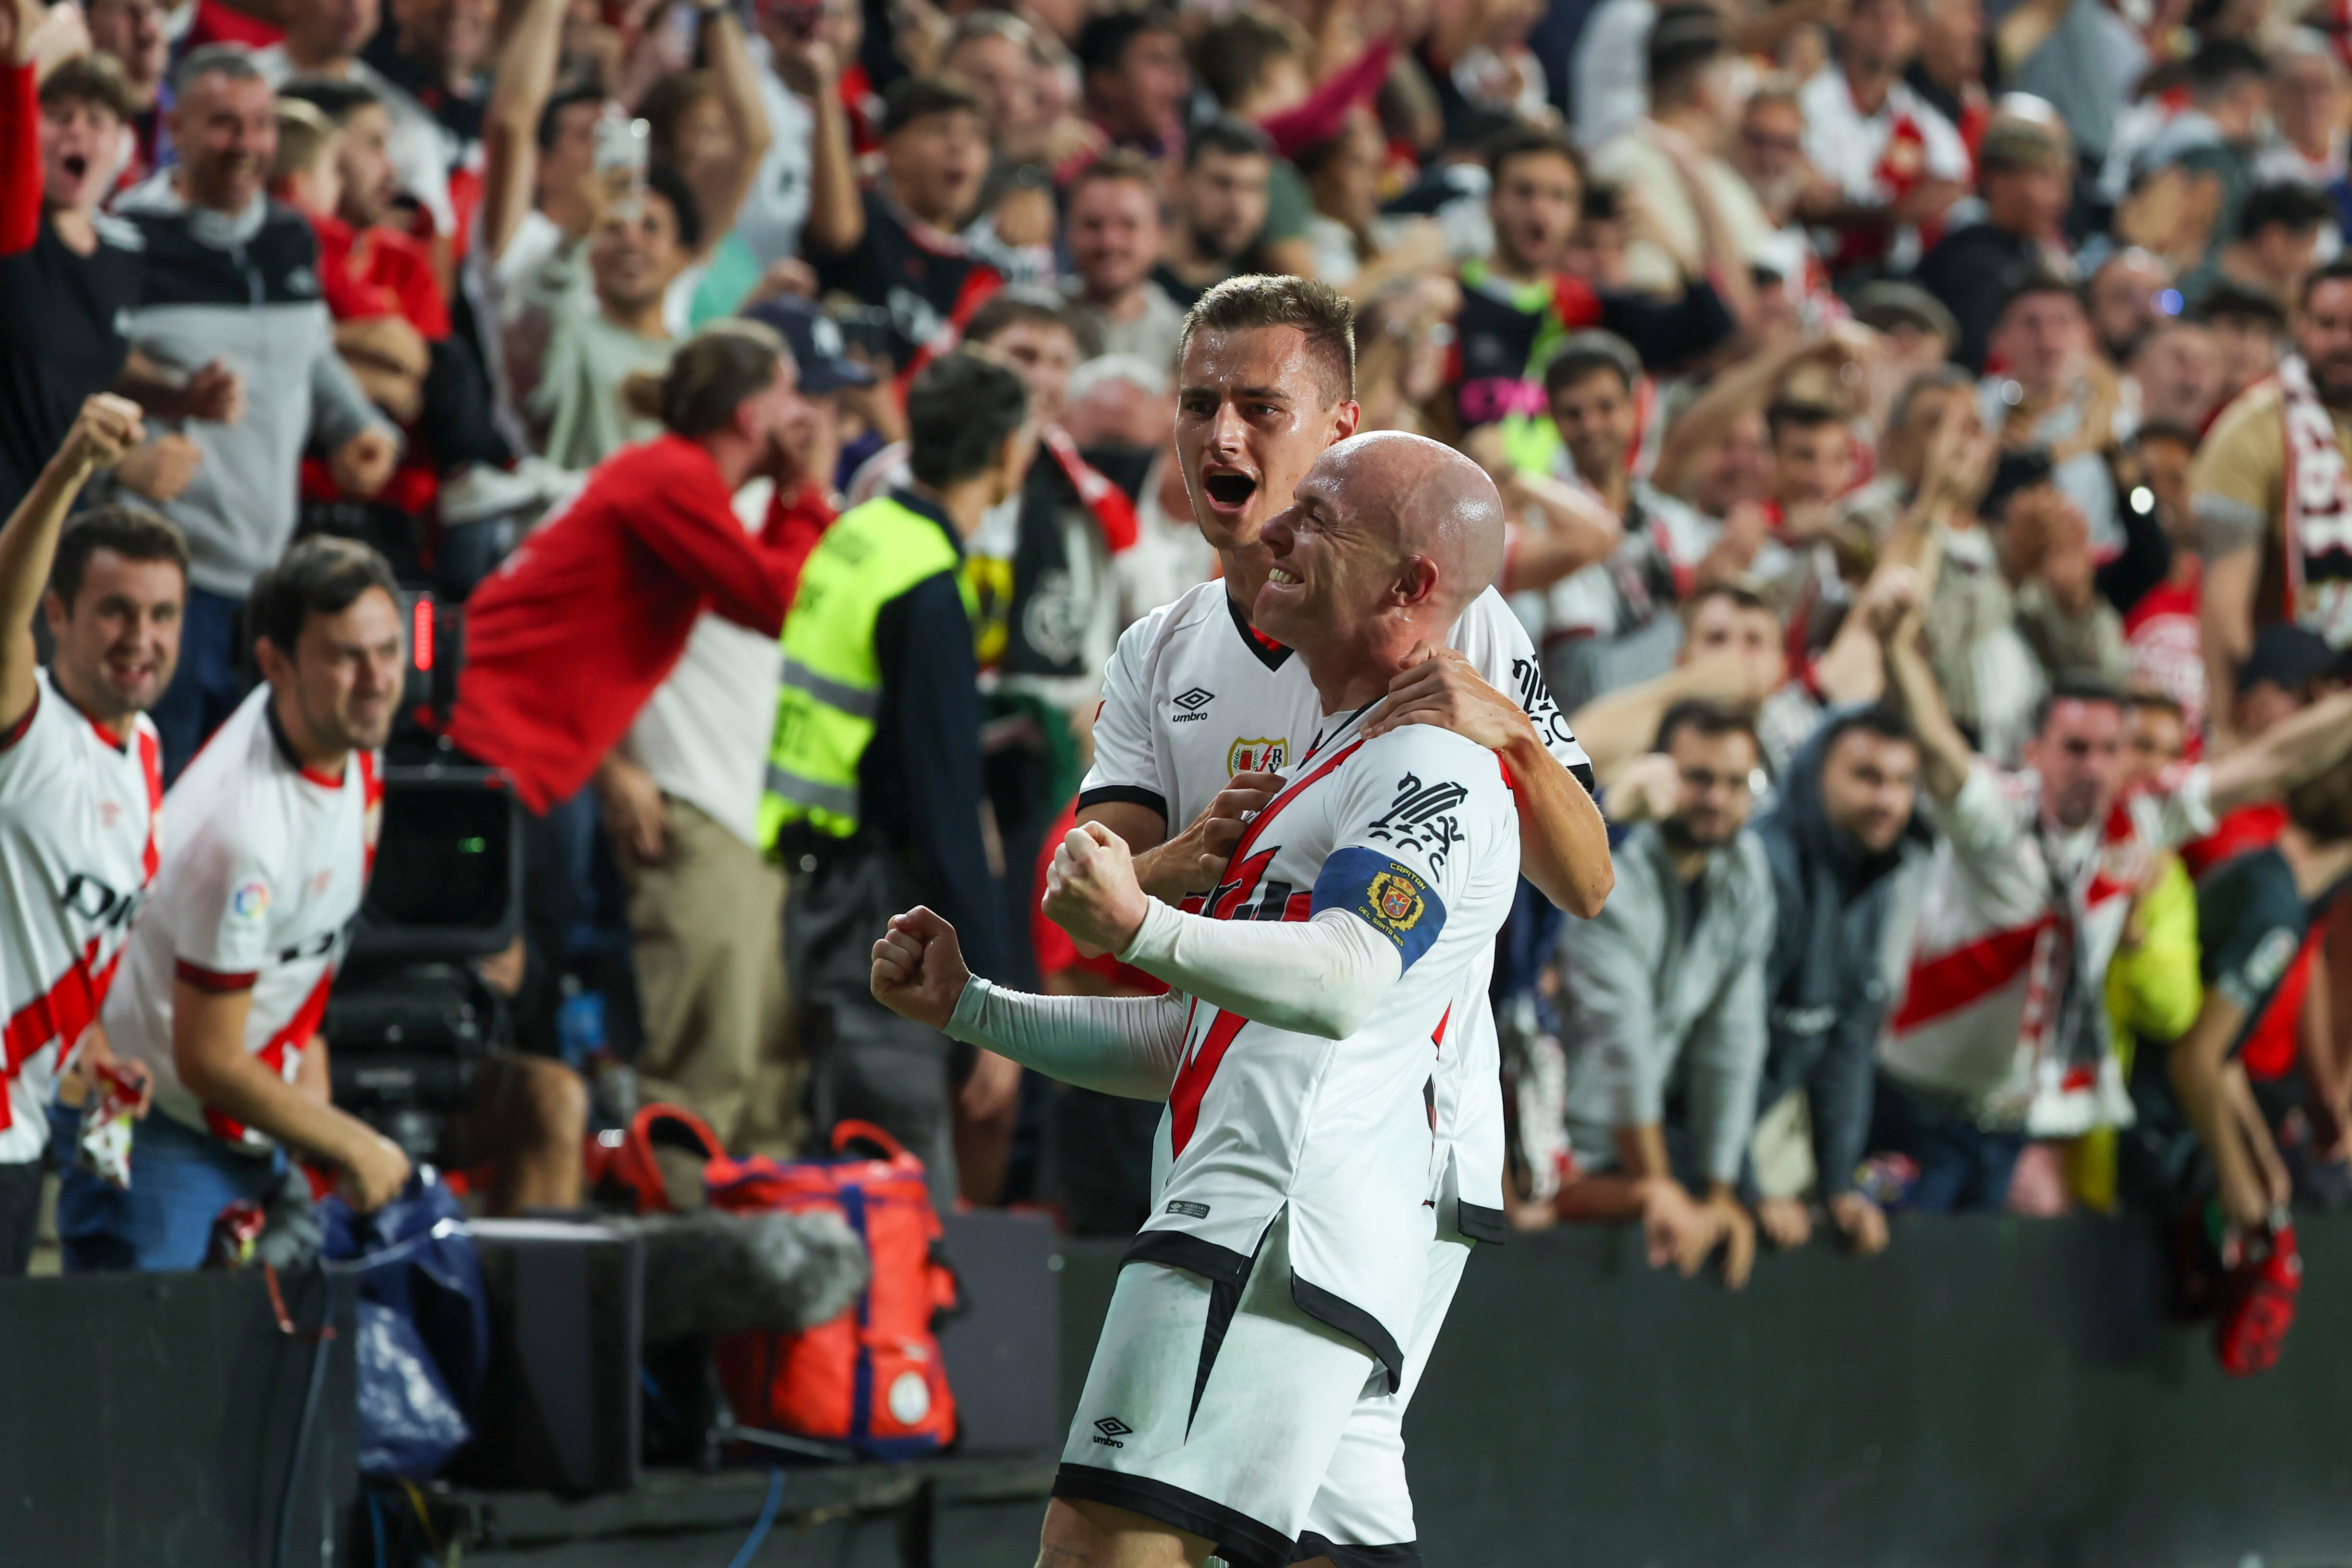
1277 360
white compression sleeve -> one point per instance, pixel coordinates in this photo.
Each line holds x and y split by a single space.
1320 976
1127 1046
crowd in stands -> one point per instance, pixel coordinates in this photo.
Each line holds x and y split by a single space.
1923 427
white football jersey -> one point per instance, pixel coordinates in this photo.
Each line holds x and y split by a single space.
267 861
1416 833
1193 696
78 847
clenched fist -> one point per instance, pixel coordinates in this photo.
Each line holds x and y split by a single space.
106 428
918 969
1091 891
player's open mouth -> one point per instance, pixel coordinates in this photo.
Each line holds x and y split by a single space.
1277 577
1229 491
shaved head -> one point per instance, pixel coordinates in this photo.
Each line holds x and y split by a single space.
1386 541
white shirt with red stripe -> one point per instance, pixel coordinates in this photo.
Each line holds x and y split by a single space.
268 862
1194 695
78 848
1416 833
1975 1022
1876 159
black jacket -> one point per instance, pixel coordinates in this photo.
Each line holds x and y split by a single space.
1823 979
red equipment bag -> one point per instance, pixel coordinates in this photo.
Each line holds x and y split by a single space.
870 1378
625 1174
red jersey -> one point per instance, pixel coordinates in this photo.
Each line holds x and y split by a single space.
378 271
579 625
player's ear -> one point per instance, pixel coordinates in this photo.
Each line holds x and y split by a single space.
1416 582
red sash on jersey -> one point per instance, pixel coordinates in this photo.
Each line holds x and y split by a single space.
61 1013
1245 867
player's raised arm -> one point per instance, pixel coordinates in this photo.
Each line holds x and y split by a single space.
107 427
1125 1045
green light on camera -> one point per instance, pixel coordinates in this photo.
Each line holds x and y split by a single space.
469 847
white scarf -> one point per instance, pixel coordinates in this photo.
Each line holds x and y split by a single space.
2317 546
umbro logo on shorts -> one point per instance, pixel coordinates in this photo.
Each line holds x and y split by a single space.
1109 1430
1192 702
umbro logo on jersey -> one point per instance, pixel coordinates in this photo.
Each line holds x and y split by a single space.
1110 1430
1192 702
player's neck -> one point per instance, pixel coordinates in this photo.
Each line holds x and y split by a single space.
119 726
2316 867
1243 571
307 749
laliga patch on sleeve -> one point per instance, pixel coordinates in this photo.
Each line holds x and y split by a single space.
249 901
1386 895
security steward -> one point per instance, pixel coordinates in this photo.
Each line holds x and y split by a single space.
875 794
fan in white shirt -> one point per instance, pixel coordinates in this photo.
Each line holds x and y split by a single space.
80 778
1899 162
1304 1167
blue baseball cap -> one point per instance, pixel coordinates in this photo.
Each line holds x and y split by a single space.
815 340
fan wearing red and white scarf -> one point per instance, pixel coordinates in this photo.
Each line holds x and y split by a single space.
2317 525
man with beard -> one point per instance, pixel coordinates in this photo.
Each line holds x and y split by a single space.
1220 207
1519 302
2272 492
1834 840
1204 715
225 981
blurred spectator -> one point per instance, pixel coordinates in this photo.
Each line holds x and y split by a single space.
593 315
1112 233
2050 388
1898 165
875 786
1695 219
436 52
2125 297
2176 368
1134 78
565 644
1663 997
214 243
1947 67
680 797
2216 136
67 271
2027 177
1518 303
2247 328
2273 247
2083 60
322 44
1843 825
2308 108
711 128
1611 623
906 257
136 35
1220 208
2160 625
2272 495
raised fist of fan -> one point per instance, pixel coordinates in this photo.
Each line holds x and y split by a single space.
1091 891
106 428
918 969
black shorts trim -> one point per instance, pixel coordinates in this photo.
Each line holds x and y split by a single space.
1337 1312
1181 1249
1239 1540
1125 794
1481 1224
1403 1554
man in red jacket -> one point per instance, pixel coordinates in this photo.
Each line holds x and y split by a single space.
567 640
